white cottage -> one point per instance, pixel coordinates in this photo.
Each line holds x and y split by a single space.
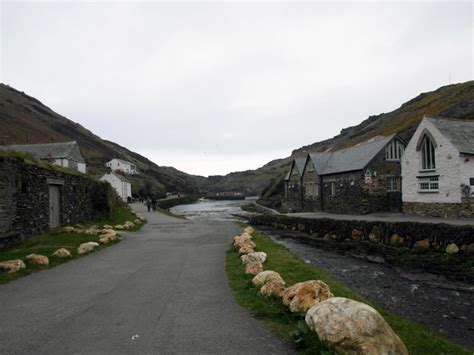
438 169
119 183
122 165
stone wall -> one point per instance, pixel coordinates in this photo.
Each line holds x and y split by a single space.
409 235
24 199
444 210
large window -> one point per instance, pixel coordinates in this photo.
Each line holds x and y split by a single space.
394 150
428 184
427 154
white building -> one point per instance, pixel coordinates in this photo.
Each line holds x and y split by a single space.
122 165
66 154
438 169
119 183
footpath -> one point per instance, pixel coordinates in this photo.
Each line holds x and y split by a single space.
163 289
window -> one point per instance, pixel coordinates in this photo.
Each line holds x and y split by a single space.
393 183
311 189
427 154
394 150
333 188
428 184
471 181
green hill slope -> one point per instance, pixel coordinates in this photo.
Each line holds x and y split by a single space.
24 119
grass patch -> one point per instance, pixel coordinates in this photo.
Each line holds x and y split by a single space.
290 327
48 243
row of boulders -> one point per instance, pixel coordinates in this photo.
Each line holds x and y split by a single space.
106 234
345 325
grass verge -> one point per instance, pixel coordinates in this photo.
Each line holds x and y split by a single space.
48 243
291 327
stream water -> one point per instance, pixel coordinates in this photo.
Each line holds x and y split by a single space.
212 210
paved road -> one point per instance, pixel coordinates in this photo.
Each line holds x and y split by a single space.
165 286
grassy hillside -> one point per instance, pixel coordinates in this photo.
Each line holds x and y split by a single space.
24 119
456 101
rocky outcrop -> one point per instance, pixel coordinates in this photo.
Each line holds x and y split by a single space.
267 276
302 296
273 288
12 266
254 268
37 259
258 256
62 253
68 229
351 327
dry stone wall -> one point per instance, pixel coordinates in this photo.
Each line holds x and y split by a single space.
24 199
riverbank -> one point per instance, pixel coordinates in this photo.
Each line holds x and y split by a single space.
444 306
417 339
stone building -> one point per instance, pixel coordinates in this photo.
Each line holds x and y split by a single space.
360 179
293 190
438 169
122 166
120 183
66 154
34 199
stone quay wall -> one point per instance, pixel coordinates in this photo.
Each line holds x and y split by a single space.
24 199
422 237
445 210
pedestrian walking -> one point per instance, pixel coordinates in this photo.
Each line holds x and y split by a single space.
148 204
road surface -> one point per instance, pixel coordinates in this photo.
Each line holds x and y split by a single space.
161 290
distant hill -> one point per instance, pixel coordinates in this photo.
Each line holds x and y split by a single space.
456 101
24 119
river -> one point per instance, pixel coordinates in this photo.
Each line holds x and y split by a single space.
212 210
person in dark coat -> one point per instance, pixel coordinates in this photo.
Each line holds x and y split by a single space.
153 203
148 204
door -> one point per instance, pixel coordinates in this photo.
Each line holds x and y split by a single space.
394 201
54 206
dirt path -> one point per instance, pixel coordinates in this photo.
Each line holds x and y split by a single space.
427 299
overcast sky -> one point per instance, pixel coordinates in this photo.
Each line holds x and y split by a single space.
211 88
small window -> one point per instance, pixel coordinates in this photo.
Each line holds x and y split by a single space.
471 181
393 183
428 184
333 188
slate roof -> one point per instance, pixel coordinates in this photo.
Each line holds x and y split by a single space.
349 159
459 132
299 162
48 150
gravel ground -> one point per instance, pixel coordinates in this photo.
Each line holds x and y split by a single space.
446 307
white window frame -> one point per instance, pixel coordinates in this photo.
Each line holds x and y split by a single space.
391 181
427 154
394 151
332 185
428 184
